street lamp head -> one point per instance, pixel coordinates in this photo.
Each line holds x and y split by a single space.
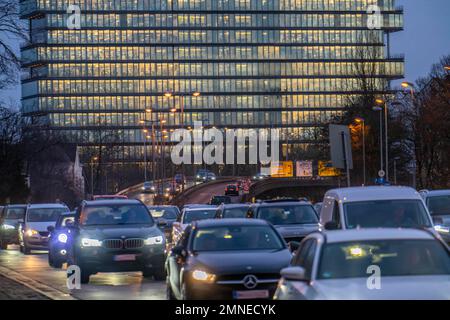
173 110
168 94
148 110
359 120
196 94
379 101
406 84
163 121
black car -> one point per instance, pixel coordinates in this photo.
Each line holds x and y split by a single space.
165 216
293 219
226 259
231 190
229 211
59 239
10 218
116 236
218 200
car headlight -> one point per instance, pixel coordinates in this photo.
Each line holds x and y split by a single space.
62 238
442 229
153 240
31 232
204 276
86 242
8 227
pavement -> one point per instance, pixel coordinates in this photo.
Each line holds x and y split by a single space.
12 290
33 271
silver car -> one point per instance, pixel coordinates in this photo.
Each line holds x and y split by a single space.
368 264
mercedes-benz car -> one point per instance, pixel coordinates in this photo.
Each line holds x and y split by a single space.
10 218
33 231
368 264
116 236
226 259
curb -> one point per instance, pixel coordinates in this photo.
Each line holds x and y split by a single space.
45 290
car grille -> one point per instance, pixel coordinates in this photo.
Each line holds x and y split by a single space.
134 243
43 233
113 243
240 277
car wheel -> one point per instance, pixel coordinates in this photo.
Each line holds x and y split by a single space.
85 276
26 250
57 265
50 260
185 292
20 248
160 274
147 273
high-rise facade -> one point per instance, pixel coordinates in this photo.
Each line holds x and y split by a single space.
288 64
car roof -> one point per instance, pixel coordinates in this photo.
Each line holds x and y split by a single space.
112 201
229 222
16 205
201 209
437 193
334 236
283 203
235 205
374 193
47 206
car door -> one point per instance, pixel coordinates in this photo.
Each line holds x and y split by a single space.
305 259
175 263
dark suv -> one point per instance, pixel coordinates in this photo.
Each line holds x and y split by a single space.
116 236
293 219
10 217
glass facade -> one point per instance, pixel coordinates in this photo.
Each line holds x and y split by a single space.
288 64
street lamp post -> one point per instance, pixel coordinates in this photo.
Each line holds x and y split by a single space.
363 132
92 174
410 86
395 169
384 104
379 109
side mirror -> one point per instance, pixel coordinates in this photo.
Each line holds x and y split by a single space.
293 273
162 223
331 225
294 245
250 215
50 229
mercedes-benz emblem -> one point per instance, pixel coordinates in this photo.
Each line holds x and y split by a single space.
250 281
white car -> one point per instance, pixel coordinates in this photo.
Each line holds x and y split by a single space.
374 207
438 203
189 215
368 264
33 231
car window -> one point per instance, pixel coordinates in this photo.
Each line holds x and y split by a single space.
439 205
394 257
190 216
302 252
288 214
164 212
62 222
240 212
336 215
386 213
115 214
309 259
15 213
44 214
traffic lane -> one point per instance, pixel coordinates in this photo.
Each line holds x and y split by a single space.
103 286
204 195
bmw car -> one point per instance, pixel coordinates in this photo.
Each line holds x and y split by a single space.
226 259
116 236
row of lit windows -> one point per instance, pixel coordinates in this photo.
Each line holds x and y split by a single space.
210 36
192 85
236 69
100 103
290 5
226 118
201 53
275 21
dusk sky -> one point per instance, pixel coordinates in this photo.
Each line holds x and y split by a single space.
424 41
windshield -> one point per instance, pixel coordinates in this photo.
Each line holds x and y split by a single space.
394 257
240 212
288 214
164 212
115 215
220 200
45 214
236 238
15 213
439 205
387 214
194 215
62 222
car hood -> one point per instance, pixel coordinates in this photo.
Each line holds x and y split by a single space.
117 232
12 222
40 226
296 230
392 288
237 262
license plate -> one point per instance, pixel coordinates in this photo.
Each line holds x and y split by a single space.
251 294
125 257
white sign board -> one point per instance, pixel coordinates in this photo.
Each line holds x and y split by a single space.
304 169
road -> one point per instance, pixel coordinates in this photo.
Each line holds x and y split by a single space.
109 286
204 195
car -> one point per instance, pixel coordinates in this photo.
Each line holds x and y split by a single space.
165 217
116 236
189 215
231 190
209 177
201 174
59 239
227 211
180 178
218 200
10 218
33 231
260 176
226 259
109 197
148 187
294 219
438 203
198 206
374 207
368 264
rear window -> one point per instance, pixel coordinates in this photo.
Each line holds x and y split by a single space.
288 214
163 212
15 213
439 205
240 212
45 214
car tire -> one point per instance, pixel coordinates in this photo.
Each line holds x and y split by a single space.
85 276
50 260
26 250
185 292
169 292
147 273
160 274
